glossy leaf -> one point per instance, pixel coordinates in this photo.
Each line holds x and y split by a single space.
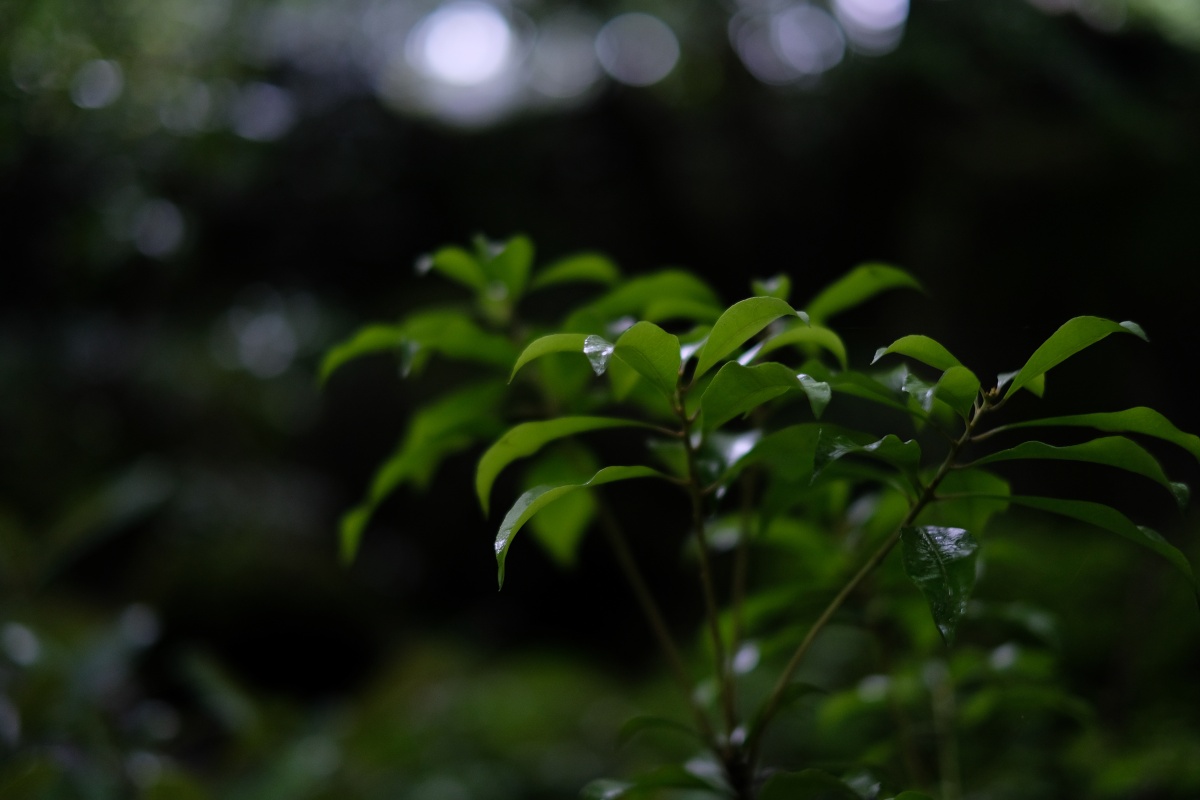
529 437
1075 335
1113 451
1139 420
1110 519
539 497
923 349
581 268
554 343
859 285
941 562
802 335
368 340
903 455
456 264
736 390
652 353
811 784
511 264
737 325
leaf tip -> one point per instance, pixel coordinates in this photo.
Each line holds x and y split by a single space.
1135 329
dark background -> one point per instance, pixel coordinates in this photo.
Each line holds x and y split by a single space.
1026 167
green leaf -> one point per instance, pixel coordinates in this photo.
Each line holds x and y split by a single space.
1075 335
653 353
539 497
584 267
680 308
456 264
857 286
941 562
801 335
633 296
446 426
1113 451
838 443
923 349
736 390
454 335
368 340
1140 420
1110 519
511 265
638 725
819 393
554 343
967 498
559 527
811 784
777 286
736 325
529 437
958 388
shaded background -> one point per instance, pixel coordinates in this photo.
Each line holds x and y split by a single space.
198 199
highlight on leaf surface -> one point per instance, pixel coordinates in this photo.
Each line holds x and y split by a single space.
737 325
553 343
941 562
539 497
1074 335
529 437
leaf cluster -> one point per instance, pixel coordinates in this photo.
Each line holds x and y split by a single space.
733 409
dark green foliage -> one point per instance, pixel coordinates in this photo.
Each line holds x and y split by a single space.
794 498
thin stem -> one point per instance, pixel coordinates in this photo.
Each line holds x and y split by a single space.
696 492
775 699
655 618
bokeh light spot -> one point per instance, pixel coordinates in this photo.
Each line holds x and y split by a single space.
157 228
463 43
97 84
874 27
263 112
637 49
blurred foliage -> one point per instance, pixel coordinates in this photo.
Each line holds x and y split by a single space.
167 278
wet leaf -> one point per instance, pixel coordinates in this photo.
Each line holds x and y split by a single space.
835 444
1112 451
941 562
1140 420
856 287
529 437
581 268
539 497
1074 335
554 343
652 353
737 325
923 349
